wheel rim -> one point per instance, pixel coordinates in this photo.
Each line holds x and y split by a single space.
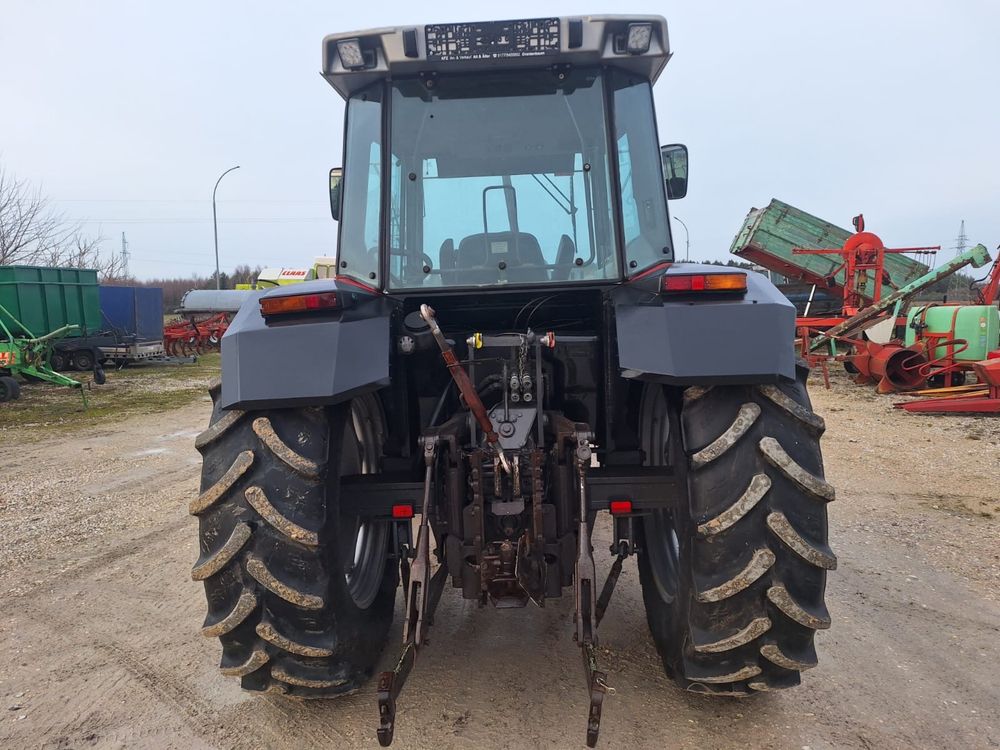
663 550
369 539
661 539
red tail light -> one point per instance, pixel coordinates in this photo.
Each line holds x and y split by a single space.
620 507
299 303
704 282
402 511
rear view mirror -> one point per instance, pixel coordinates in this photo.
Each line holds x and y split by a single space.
336 178
675 169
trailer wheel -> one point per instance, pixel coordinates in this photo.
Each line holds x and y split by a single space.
300 595
10 389
57 361
82 360
733 579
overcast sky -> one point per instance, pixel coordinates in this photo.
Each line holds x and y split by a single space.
126 113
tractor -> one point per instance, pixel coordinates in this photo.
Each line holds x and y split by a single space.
508 350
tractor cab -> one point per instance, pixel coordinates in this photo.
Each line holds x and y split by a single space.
511 153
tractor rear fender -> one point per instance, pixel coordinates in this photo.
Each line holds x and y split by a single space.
316 358
704 339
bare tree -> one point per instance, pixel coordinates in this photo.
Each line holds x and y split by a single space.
34 233
83 251
244 274
30 229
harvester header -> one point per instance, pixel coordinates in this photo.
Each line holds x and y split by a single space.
636 43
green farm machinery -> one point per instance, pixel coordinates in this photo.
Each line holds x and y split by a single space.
29 358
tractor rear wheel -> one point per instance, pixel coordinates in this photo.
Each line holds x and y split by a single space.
299 593
10 389
734 576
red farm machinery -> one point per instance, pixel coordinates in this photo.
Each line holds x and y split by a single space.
873 334
193 336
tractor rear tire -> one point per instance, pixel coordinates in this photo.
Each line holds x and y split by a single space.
734 578
10 389
300 595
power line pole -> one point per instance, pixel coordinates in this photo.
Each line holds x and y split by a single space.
955 283
125 256
962 241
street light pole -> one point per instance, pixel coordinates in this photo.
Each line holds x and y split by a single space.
215 227
687 239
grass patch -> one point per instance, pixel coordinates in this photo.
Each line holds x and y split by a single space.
44 408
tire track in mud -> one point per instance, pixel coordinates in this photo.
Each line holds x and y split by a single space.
197 714
134 546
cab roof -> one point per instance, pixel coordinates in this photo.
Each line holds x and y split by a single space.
637 43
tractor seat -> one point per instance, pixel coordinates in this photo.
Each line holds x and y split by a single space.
481 251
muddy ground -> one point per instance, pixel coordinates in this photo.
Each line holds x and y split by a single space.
99 643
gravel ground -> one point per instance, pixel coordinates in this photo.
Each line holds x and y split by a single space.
928 481
99 643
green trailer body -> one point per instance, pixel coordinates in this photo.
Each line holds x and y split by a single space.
769 234
42 300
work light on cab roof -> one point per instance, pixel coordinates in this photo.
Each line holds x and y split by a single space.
634 43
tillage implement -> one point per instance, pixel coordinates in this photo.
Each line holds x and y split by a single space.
508 352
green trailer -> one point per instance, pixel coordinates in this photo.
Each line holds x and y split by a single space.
43 300
768 236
